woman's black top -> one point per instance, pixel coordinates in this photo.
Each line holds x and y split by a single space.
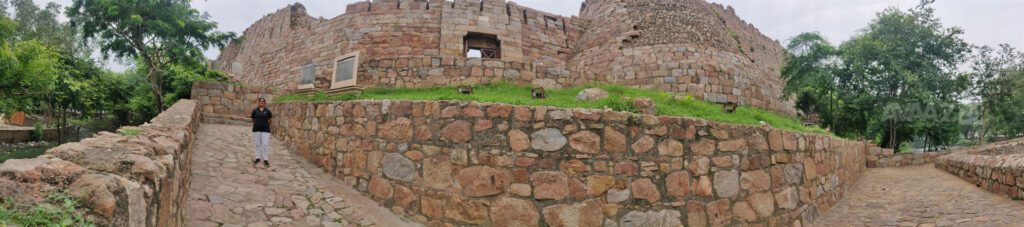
261 120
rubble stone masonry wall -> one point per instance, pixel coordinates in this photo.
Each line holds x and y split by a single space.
689 46
878 157
227 103
467 163
123 180
997 167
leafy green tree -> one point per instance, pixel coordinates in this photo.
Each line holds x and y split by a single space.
993 72
41 24
157 32
875 84
28 70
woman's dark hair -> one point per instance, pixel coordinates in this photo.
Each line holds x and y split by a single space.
261 100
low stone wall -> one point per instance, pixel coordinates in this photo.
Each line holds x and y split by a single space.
25 135
881 158
226 103
466 163
139 180
997 167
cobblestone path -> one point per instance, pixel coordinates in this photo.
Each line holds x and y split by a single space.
920 196
226 190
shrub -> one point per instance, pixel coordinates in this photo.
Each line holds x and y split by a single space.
37 132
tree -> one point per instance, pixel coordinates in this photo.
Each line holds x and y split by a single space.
28 70
993 73
157 32
868 85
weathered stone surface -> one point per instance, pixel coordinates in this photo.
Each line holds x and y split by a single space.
437 172
742 211
467 210
762 203
587 213
787 198
677 184
479 181
617 196
514 212
643 144
794 173
718 212
699 166
695 215
670 147
644 189
755 181
703 148
598 184
399 167
550 185
727 183
732 145
614 141
663 218
703 187
520 189
457 132
591 94
548 139
585 142
518 140
398 129
380 188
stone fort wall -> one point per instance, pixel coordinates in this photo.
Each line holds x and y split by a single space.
679 46
467 163
996 167
120 180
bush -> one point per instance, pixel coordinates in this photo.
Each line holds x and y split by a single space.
57 210
37 132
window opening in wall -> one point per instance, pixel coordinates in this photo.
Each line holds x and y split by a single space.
308 76
479 45
345 68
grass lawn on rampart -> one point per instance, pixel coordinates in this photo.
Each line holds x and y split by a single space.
566 98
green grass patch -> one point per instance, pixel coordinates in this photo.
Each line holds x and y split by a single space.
129 131
566 98
57 210
24 153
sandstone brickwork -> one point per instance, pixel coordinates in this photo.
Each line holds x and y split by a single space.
997 167
136 180
467 163
686 46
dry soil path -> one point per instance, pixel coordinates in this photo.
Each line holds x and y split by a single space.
226 190
920 196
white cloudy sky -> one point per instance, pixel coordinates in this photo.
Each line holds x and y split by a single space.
986 22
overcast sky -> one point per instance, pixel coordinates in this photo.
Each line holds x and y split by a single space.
985 22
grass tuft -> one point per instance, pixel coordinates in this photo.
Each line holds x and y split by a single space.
57 210
129 131
566 98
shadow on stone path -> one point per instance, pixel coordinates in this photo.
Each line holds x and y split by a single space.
226 190
920 196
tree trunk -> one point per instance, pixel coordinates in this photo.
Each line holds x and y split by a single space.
984 126
154 83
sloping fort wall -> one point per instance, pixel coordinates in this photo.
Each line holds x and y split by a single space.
686 46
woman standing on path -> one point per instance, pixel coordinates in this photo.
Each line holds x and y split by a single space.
261 132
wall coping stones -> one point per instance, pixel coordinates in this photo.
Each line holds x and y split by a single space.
139 180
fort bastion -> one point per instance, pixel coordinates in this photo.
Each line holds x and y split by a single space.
685 46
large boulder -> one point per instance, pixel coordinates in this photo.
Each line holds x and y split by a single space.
591 94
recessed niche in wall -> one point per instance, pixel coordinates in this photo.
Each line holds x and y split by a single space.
479 45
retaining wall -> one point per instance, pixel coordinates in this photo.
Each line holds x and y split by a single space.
226 103
24 135
495 164
997 167
881 158
139 180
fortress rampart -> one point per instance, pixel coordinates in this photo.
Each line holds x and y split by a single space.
687 46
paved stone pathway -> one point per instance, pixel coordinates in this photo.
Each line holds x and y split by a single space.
920 196
226 190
